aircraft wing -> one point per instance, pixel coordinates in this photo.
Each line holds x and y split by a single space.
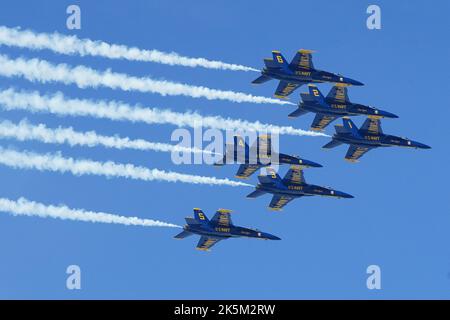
294 175
338 93
321 121
355 152
278 202
372 125
302 59
285 88
246 170
205 243
222 218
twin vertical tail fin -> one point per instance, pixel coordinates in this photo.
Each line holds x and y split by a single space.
240 144
316 95
272 177
235 151
200 216
349 126
279 61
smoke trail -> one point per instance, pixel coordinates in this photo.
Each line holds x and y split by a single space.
78 167
71 45
11 99
84 77
25 131
24 207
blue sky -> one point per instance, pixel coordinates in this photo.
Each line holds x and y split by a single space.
399 218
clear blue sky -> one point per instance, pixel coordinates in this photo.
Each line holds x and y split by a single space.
399 218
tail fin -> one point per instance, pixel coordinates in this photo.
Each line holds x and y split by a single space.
272 177
349 126
315 94
199 216
280 61
240 143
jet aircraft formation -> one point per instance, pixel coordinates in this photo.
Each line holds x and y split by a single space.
300 71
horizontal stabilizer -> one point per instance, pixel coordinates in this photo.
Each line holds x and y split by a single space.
297 113
332 144
261 79
306 97
340 129
190 220
183 234
256 194
270 64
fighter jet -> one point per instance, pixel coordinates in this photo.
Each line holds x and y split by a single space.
366 138
292 186
258 156
218 228
297 73
335 105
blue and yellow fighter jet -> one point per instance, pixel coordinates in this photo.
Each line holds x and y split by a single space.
335 105
292 186
297 73
368 137
258 156
218 228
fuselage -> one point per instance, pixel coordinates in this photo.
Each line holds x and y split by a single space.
300 190
337 108
303 75
219 231
265 160
383 140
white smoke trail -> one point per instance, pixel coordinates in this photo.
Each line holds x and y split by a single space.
25 131
11 99
70 45
24 207
57 163
37 70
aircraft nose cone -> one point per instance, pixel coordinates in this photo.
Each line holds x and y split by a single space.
388 114
271 237
341 194
421 145
352 82
312 164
